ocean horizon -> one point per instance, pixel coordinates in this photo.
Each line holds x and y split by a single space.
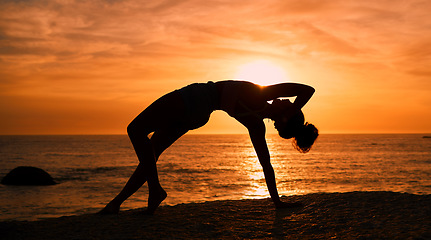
91 169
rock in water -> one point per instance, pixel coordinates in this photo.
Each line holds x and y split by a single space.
28 176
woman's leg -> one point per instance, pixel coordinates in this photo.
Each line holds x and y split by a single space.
159 118
133 184
139 176
160 141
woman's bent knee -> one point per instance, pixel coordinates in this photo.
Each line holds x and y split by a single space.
134 130
131 128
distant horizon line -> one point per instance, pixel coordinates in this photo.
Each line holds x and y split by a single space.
120 134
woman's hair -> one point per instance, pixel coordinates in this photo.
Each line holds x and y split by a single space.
305 138
304 135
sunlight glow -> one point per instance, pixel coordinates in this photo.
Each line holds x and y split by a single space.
262 72
254 171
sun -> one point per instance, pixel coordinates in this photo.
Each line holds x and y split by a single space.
262 72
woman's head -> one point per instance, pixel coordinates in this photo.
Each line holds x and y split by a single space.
304 134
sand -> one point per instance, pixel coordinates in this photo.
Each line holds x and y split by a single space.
354 215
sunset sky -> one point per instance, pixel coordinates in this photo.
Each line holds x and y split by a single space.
89 67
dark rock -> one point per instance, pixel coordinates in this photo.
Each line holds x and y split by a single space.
28 176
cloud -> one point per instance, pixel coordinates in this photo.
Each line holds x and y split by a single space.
119 27
74 31
112 49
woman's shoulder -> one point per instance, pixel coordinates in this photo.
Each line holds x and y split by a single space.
236 82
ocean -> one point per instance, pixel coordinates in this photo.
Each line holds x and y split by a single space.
91 170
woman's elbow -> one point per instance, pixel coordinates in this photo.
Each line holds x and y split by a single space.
311 90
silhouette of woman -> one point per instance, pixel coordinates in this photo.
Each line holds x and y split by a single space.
177 112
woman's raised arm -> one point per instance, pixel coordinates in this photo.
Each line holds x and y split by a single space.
302 93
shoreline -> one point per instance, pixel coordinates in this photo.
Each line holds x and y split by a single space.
351 215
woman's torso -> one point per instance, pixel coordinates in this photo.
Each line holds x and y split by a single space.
240 98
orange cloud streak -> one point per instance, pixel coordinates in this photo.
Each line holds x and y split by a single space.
90 66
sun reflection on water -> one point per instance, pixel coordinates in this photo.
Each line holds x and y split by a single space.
286 168
253 170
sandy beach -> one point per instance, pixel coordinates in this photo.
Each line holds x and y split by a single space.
354 215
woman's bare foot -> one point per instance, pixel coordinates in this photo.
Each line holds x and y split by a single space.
110 208
154 200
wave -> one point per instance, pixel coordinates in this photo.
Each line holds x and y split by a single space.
77 155
86 174
195 170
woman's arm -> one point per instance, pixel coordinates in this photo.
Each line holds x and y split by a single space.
257 136
302 92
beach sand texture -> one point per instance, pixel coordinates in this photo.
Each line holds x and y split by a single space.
353 215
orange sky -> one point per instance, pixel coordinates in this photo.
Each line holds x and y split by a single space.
89 67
